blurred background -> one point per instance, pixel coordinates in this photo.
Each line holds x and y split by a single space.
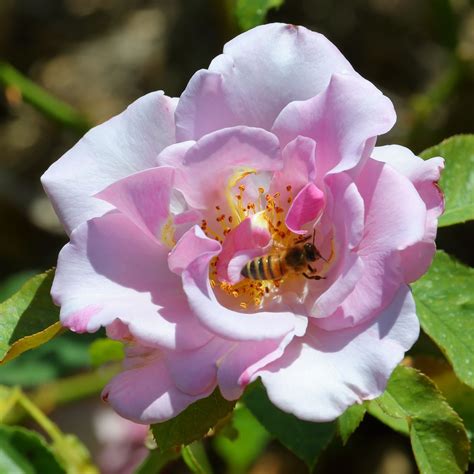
97 56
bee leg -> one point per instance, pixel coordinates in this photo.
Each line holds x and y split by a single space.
302 239
313 277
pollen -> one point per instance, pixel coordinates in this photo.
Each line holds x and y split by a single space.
243 202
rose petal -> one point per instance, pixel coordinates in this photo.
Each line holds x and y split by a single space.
260 72
146 393
424 175
238 366
207 167
117 148
195 371
345 212
298 168
322 374
111 271
306 207
219 319
391 225
343 120
144 198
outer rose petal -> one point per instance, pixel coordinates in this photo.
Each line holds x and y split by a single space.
217 318
119 147
322 374
260 72
144 198
110 271
237 367
195 371
390 226
147 393
343 120
424 175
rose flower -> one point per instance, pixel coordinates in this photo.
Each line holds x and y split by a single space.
249 229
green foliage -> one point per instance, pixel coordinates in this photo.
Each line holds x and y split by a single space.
106 350
241 450
252 13
457 178
305 439
193 423
13 283
459 396
67 449
26 452
156 461
42 100
350 420
400 424
438 437
194 455
445 304
60 357
29 318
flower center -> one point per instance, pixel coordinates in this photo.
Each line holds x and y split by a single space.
255 202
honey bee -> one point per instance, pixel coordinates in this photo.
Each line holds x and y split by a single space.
293 259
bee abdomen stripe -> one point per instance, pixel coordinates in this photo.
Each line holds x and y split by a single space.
253 270
270 275
280 267
261 268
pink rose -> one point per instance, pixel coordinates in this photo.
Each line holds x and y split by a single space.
168 202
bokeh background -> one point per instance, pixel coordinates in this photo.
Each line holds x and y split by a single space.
100 55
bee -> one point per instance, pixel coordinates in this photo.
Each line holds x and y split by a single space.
293 259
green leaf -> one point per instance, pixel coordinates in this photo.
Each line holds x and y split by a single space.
13 283
438 437
252 13
305 439
156 461
385 415
350 420
106 350
457 178
26 452
458 395
42 100
29 318
194 455
445 305
64 355
240 452
193 423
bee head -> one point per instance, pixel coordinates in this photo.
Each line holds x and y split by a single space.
311 253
